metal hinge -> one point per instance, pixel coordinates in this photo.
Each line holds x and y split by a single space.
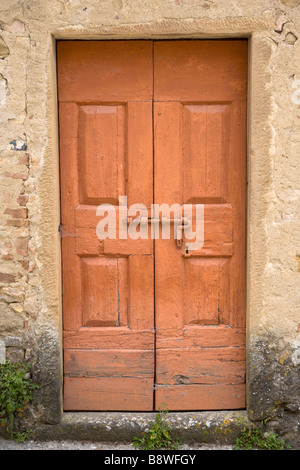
63 233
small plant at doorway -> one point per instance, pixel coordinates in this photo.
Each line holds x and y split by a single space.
258 439
16 392
159 435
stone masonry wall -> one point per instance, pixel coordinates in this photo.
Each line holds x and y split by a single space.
30 292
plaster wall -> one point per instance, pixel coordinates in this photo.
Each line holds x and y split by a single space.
30 273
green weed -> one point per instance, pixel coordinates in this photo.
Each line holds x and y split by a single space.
258 439
159 436
16 392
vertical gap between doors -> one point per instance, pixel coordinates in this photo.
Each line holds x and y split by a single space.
153 241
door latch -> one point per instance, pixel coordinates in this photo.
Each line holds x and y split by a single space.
181 222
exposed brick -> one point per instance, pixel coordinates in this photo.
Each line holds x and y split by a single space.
7 257
21 245
7 278
16 176
18 222
25 264
17 213
22 200
24 160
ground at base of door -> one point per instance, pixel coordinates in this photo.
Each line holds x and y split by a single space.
74 445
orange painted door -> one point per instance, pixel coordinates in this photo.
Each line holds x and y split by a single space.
200 158
105 112
160 122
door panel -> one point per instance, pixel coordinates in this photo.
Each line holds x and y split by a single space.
105 71
202 72
113 393
199 142
213 397
105 93
160 122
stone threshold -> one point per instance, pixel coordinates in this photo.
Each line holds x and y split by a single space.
217 427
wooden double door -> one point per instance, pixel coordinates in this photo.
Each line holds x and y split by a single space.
147 321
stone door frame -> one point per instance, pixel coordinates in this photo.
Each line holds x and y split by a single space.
260 140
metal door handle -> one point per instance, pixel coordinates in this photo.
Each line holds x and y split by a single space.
182 221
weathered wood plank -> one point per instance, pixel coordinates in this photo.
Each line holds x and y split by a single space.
104 71
109 337
108 394
202 366
201 397
200 70
112 363
201 336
